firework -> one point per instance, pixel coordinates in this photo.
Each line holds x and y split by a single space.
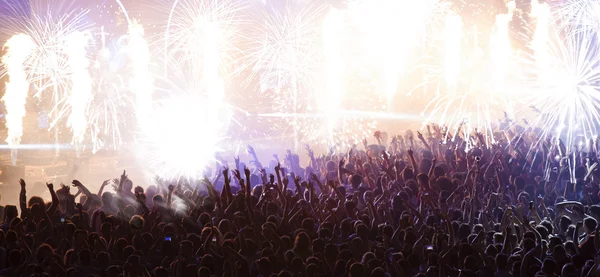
49 24
390 52
19 47
112 101
333 27
141 82
51 68
81 84
541 12
453 35
191 21
576 15
566 91
190 122
473 90
500 47
285 61
287 50
306 69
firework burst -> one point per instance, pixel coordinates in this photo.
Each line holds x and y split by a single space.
112 101
565 96
305 70
57 63
194 27
576 15
49 24
474 85
198 47
286 52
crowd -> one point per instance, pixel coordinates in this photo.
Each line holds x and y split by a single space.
434 204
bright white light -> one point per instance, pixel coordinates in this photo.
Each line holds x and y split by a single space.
141 82
186 135
19 47
81 87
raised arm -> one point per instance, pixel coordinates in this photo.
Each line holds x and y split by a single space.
252 152
120 203
278 175
23 199
422 139
311 155
432 168
52 209
341 171
104 184
413 162
84 189
170 196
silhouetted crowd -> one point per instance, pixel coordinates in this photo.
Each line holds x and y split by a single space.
433 204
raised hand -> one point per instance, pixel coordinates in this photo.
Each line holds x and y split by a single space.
225 172
385 155
50 186
76 183
342 162
262 171
22 183
237 174
377 134
251 150
286 181
314 177
309 151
